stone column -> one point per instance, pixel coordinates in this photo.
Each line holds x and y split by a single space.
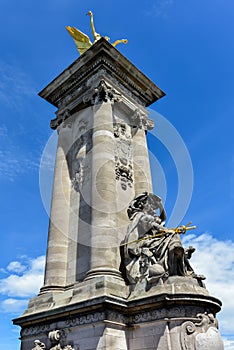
56 257
104 240
141 166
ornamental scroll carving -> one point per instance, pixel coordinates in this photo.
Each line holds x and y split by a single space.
56 339
123 155
201 335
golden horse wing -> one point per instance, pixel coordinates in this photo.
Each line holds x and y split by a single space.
82 40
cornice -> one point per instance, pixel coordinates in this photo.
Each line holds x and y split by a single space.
102 55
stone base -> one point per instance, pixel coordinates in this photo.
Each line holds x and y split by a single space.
172 285
90 316
93 288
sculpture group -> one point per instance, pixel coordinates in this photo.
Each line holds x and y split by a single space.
150 251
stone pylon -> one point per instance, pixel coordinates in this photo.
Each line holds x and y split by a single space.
102 163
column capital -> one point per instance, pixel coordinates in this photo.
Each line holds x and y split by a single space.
101 62
102 93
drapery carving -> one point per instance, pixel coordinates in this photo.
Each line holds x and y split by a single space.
151 252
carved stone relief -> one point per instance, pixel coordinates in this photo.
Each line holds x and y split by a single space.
86 319
103 73
141 120
56 339
65 101
35 330
78 162
61 116
151 253
123 155
102 93
38 345
201 335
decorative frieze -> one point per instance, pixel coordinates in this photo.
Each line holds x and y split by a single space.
28 331
85 319
180 312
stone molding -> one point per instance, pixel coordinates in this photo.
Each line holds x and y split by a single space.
182 313
86 319
101 56
197 331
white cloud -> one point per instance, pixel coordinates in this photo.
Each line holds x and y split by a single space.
28 283
215 259
16 266
38 264
21 286
228 344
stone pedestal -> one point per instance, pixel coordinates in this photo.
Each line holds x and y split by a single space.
102 163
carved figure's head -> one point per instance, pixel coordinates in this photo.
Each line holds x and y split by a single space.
148 203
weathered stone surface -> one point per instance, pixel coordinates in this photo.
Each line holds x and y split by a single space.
209 340
102 163
154 323
74 84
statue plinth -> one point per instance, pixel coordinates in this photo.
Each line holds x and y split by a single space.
102 164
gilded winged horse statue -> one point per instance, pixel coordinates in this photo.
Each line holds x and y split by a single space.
82 40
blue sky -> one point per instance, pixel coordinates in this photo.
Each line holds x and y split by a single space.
186 47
